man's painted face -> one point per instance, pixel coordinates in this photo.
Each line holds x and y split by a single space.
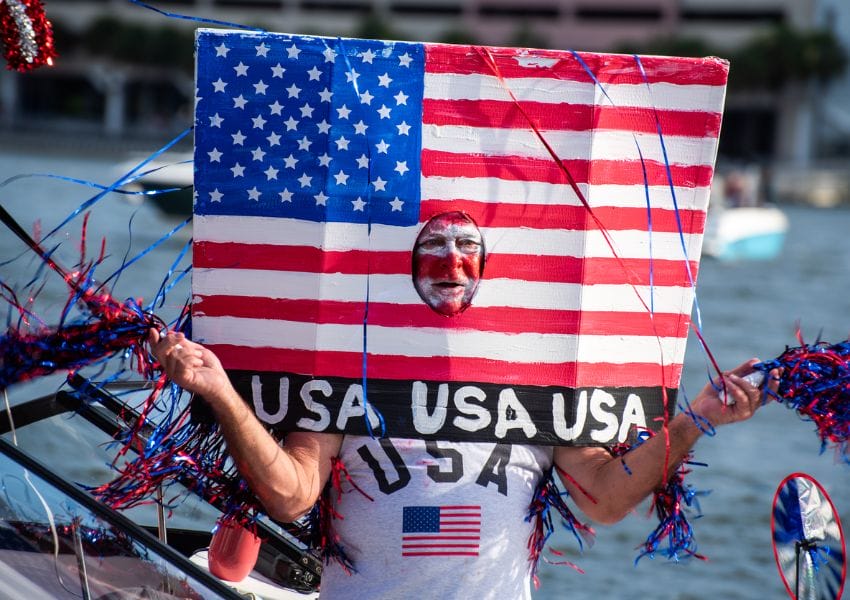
448 259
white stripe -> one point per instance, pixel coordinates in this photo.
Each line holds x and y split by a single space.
398 289
425 342
663 96
329 236
501 191
514 240
569 145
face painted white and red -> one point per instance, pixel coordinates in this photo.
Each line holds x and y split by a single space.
447 262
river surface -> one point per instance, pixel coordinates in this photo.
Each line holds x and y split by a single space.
746 309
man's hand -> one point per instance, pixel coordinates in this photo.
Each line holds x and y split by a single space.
729 398
189 365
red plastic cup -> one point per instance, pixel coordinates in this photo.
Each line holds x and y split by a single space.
233 552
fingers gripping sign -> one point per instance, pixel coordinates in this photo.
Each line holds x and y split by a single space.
189 365
735 395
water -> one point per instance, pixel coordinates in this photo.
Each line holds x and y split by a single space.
747 309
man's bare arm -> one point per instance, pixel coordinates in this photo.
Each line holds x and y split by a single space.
288 479
606 490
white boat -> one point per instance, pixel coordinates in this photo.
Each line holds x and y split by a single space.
745 233
166 180
740 225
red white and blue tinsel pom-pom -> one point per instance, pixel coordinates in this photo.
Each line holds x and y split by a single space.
27 35
815 382
547 497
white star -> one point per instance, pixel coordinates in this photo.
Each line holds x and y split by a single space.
380 185
384 80
330 55
216 120
262 49
291 124
290 161
324 160
238 138
215 155
382 147
293 90
219 85
363 162
401 167
405 59
403 128
194 196
305 180
351 76
254 194
324 126
343 111
384 111
326 95
238 170
271 173
396 203
304 143
358 204
307 111
341 178
274 139
401 98
342 143
276 108
241 69
215 195
258 121
285 195
366 97
278 71
368 56
239 101
314 74
260 87
258 153
221 50
293 51
321 199
360 127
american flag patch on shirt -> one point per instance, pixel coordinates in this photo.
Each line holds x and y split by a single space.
441 531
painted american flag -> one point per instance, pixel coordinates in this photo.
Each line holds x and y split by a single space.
441 530
318 159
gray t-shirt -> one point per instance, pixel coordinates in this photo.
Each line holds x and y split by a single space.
446 520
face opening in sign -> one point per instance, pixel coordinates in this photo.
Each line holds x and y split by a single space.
448 262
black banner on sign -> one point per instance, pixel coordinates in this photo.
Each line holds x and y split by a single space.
456 411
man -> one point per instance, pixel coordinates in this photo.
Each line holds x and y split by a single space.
448 261
488 558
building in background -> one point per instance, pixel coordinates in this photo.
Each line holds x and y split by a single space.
127 71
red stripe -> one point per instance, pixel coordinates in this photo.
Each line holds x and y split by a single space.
414 538
505 320
439 546
404 368
607 68
406 553
539 216
555 269
598 172
569 117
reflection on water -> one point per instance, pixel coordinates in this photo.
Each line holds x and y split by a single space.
747 309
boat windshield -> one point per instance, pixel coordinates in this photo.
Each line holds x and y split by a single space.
55 542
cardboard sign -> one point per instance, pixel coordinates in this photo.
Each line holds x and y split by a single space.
476 243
